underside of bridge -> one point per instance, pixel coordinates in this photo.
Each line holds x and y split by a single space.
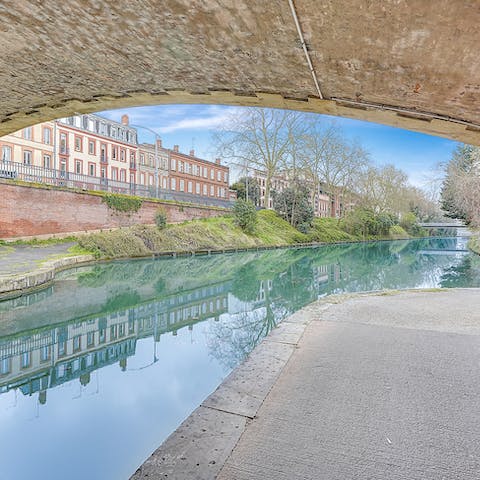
411 64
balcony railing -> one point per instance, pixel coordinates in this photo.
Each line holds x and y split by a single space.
61 178
64 150
133 166
103 159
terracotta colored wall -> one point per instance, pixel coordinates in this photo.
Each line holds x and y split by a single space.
30 211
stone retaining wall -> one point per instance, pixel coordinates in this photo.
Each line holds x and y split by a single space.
27 211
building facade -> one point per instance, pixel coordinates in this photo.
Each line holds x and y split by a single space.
93 153
325 204
197 176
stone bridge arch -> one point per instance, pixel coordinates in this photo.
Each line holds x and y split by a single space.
397 62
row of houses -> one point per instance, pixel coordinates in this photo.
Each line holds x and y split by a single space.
324 203
92 152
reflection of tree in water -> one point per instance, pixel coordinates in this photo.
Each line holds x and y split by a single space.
268 299
233 337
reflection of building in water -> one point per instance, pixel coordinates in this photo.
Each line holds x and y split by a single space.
36 361
323 274
44 358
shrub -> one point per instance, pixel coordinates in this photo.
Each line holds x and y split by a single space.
245 215
363 222
397 232
408 221
293 205
161 218
122 203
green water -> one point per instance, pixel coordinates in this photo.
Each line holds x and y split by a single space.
98 369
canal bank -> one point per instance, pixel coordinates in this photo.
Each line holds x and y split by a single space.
355 386
39 269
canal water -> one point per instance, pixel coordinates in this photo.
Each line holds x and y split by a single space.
98 369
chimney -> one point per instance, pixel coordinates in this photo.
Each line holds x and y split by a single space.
125 119
192 152
217 161
159 142
175 148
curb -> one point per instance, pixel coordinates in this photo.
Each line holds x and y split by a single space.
17 285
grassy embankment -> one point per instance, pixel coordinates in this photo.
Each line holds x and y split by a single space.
474 243
215 234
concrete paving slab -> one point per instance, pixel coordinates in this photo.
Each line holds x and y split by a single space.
198 448
244 390
287 332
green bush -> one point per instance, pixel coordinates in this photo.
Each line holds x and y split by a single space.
122 203
408 221
363 222
397 232
245 215
161 218
293 205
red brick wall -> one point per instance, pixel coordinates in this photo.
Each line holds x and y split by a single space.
30 211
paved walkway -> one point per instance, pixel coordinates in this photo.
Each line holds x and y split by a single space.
374 387
15 259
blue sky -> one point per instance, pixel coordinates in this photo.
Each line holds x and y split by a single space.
193 125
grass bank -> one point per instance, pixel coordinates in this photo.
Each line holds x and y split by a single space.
474 243
215 234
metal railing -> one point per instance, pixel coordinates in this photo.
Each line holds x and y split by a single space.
61 178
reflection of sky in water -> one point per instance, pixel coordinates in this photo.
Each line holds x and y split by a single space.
206 313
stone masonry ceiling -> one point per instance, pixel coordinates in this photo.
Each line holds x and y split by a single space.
412 64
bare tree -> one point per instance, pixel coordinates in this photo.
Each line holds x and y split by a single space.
383 189
261 138
460 188
330 162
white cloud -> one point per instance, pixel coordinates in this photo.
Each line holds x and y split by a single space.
216 118
173 118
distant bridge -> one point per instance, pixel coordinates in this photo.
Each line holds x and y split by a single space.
452 224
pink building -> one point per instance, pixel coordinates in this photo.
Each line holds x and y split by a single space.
94 153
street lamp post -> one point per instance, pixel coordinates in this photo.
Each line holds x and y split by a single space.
245 169
157 137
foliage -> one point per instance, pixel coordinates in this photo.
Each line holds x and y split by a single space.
253 190
161 218
397 232
408 221
40 242
245 215
122 203
293 205
474 243
363 223
460 188
328 230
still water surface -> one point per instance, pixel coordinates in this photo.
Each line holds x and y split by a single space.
97 370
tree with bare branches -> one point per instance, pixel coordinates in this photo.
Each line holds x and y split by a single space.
261 138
